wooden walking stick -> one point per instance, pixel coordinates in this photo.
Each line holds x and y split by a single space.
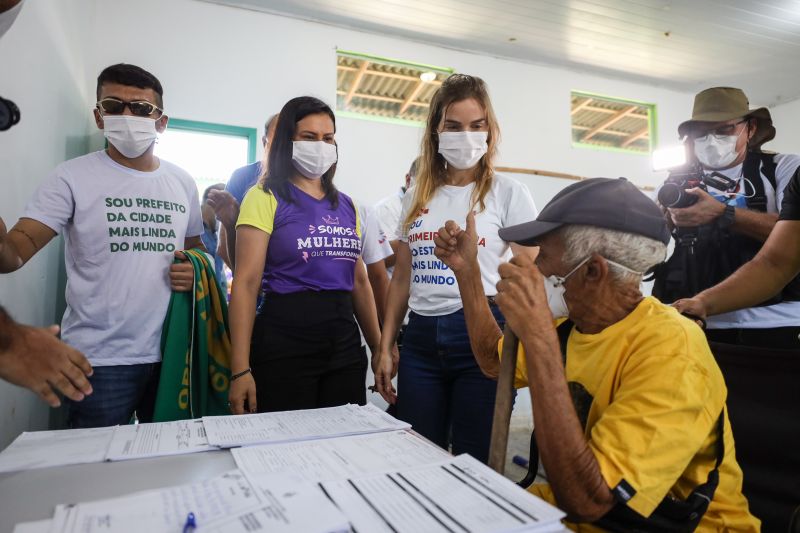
504 402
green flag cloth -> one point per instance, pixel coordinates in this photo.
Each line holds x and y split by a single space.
195 349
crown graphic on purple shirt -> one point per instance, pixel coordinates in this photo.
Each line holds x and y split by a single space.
330 220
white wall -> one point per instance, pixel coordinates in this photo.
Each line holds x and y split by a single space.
786 119
228 65
43 63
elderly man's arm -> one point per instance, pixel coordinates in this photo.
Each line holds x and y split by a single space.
458 249
573 471
484 333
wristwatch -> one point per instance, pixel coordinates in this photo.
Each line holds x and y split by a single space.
727 217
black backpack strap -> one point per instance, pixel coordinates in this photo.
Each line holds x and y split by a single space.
563 330
756 165
768 167
672 514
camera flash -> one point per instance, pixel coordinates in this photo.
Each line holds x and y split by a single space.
669 157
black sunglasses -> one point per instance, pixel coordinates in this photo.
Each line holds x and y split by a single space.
140 108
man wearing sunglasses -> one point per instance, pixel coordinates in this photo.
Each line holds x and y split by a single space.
125 215
720 232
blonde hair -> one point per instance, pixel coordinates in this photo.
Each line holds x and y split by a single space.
432 166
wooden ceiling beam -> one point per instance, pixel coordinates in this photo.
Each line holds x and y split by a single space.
607 131
635 136
410 98
616 117
608 111
356 82
580 106
382 98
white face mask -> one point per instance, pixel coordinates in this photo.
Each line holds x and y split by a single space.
8 17
463 149
716 151
554 287
130 135
312 159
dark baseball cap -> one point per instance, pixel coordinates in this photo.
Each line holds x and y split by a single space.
601 202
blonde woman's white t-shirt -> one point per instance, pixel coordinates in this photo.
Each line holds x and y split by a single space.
434 290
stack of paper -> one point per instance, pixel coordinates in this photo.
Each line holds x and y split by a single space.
158 439
42 449
461 494
340 458
286 426
229 503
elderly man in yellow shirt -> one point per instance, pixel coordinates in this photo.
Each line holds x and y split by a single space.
630 407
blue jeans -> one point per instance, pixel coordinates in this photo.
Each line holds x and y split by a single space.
442 392
118 393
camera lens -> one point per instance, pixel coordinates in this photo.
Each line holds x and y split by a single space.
9 114
669 195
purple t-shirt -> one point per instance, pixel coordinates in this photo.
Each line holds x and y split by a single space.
312 247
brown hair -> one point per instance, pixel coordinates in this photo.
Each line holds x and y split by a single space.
432 166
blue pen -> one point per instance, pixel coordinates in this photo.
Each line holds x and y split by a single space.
190 524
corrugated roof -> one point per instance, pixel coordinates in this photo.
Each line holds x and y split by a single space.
379 87
610 122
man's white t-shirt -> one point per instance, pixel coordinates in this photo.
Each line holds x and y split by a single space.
388 212
121 229
783 314
434 290
375 245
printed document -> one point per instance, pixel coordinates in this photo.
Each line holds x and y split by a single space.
287 426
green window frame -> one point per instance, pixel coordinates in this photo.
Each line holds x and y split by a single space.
651 127
219 129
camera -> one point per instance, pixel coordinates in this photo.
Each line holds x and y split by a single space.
9 114
673 192
690 176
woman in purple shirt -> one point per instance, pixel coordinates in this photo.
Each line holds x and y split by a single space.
303 349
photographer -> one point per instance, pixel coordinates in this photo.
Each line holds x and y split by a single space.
723 206
721 224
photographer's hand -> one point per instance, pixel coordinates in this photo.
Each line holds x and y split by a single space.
704 211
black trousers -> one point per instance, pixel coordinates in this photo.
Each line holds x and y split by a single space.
306 352
764 410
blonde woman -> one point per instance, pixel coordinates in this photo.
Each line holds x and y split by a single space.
442 392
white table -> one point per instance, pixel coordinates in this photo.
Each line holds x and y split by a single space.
33 494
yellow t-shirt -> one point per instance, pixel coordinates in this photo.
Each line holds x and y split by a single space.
649 394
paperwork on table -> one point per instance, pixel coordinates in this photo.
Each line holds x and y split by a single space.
39 526
340 457
42 449
138 441
229 503
461 495
287 426
457 494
